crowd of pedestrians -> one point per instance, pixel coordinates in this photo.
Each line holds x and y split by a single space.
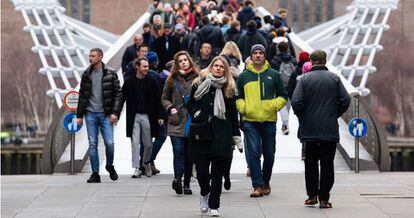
182 78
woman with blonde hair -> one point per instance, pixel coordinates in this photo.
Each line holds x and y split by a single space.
232 52
175 96
214 129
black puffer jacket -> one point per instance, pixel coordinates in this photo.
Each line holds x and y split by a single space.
111 92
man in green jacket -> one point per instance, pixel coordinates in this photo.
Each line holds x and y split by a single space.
261 94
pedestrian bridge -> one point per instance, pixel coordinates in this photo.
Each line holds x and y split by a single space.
351 42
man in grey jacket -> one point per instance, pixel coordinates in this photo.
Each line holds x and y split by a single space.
318 101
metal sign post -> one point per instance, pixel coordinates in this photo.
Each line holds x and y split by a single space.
357 128
72 154
357 138
69 123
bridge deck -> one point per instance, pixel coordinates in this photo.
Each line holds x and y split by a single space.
365 195
288 153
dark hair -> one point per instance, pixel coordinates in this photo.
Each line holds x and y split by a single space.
248 3
97 50
225 19
283 47
258 21
234 24
251 25
267 19
146 25
205 20
277 23
142 46
138 61
280 32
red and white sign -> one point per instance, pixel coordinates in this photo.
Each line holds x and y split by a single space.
71 100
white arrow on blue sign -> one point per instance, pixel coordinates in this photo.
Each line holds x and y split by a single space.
70 124
358 127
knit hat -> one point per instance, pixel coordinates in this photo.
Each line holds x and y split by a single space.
307 67
304 56
167 26
152 57
257 47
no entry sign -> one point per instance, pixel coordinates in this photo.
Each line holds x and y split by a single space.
71 100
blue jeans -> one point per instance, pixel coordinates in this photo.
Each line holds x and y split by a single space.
94 122
182 162
260 140
159 141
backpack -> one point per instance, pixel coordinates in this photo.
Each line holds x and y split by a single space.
286 69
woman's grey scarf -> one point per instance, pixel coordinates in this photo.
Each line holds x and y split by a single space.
204 87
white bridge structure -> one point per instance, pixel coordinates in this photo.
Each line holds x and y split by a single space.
351 41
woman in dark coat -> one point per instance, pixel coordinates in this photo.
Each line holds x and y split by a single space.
212 100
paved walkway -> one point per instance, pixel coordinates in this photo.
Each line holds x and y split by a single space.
288 152
365 195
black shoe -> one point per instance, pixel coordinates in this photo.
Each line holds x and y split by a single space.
142 168
177 186
95 178
311 201
112 173
187 191
227 184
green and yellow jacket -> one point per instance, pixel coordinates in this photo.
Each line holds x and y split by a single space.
260 94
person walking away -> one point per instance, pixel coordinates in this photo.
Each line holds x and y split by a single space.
285 64
319 100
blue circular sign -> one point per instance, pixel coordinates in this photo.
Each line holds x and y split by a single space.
70 124
357 127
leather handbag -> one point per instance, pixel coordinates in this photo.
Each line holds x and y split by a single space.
201 131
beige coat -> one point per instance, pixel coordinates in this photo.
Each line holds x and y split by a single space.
171 98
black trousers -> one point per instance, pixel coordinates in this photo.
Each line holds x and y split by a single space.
323 151
188 164
227 172
210 182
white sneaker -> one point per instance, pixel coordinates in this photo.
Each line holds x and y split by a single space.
214 213
204 203
137 173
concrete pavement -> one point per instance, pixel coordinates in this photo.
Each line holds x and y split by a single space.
369 194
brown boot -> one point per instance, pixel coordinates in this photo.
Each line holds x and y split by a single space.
266 188
257 192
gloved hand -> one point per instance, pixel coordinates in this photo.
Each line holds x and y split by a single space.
237 141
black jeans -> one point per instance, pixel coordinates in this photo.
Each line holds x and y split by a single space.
323 151
188 164
227 172
210 182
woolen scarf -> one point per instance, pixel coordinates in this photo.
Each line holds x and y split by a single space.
204 87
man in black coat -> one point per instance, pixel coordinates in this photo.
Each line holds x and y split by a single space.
131 51
318 101
100 101
212 35
144 114
166 46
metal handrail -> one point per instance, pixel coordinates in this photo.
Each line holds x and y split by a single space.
374 142
57 139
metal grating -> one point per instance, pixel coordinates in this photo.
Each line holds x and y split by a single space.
61 42
353 39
